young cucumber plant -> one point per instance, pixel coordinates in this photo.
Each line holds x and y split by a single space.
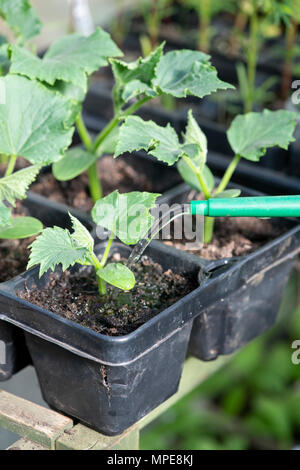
153 12
264 17
249 136
206 10
126 216
69 62
35 124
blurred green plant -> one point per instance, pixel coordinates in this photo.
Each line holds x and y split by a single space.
206 10
252 403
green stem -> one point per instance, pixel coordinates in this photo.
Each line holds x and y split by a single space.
107 250
204 20
94 182
200 178
83 132
252 57
228 174
97 266
115 121
95 185
11 165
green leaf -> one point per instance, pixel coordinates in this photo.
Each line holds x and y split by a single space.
53 247
251 134
33 121
75 162
71 59
21 17
81 235
126 215
228 193
135 78
190 177
161 142
194 135
118 275
5 214
15 186
21 227
184 72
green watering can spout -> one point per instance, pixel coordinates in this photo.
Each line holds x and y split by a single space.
270 206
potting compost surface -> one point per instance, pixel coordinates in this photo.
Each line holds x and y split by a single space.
113 174
75 297
235 236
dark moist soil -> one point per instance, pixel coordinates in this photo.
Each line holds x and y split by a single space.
236 236
113 173
14 253
75 297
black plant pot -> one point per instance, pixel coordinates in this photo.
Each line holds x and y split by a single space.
249 298
108 383
11 338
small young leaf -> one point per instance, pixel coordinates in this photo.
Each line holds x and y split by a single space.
184 72
118 275
21 227
194 135
134 78
81 235
228 193
54 246
251 134
161 142
71 59
5 214
190 177
20 17
15 186
75 162
126 215
33 121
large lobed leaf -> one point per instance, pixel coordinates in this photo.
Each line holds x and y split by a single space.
15 186
135 78
126 215
177 73
34 121
194 135
251 134
53 247
185 72
21 17
81 236
70 59
137 134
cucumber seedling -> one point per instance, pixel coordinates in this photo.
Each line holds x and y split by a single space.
66 67
126 216
249 135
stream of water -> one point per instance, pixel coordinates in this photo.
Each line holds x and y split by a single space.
158 225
